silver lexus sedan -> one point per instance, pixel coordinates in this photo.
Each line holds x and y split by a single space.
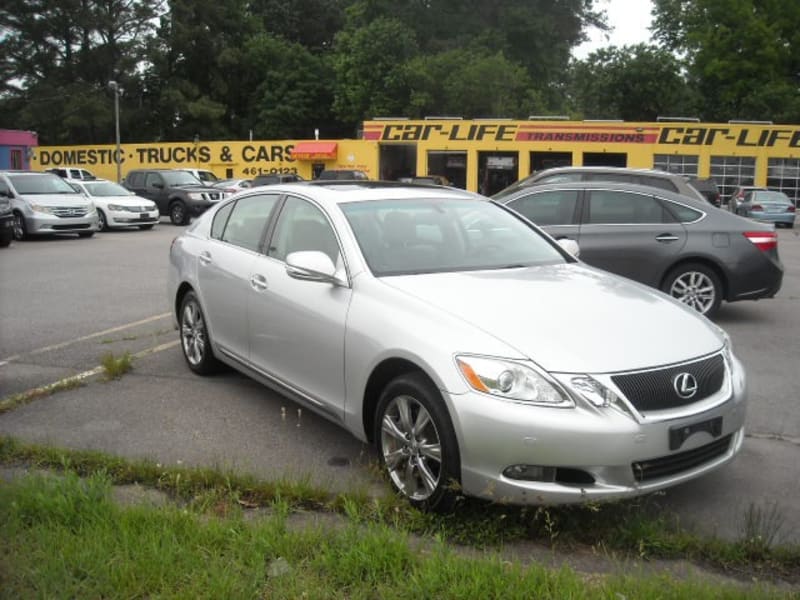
476 353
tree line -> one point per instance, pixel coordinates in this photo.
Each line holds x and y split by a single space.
273 69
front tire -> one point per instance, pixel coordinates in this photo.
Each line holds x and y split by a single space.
20 229
417 444
102 223
195 340
178 213
6 235
697 286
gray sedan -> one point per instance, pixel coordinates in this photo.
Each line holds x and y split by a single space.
472 349
696 253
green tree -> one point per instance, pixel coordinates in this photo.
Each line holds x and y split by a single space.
368 64
743 56
634 83
469 83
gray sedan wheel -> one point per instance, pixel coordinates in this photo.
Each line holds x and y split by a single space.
416 442
195 341
696 286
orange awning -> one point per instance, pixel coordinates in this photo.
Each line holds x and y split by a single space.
314 150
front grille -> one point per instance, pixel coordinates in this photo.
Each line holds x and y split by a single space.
655 390
212 196
66 212
657 468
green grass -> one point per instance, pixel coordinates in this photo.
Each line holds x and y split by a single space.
631 529
108 551
115 367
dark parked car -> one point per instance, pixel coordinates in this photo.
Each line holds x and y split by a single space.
672 182
677 244
738 195
177 193
708 188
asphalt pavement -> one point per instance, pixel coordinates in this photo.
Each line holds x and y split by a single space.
64 303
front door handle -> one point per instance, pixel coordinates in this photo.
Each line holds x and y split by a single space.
667 237
205 257
258 283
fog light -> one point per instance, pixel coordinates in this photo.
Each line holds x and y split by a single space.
530 473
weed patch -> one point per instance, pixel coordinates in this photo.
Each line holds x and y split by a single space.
115 367
11 402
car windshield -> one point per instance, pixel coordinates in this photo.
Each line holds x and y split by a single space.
106 188
180 178
40 183
401 237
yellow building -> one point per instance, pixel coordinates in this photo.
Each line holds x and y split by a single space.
481 155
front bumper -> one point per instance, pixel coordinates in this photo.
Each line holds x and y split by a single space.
589 453
118 218
40 223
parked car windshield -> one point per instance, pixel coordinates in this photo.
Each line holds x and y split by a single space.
433 235
180 178
40 183
106 188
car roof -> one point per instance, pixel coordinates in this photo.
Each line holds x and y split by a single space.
339 192
638 171
619 186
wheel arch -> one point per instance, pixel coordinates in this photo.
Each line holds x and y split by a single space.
701 260
381 375
183 289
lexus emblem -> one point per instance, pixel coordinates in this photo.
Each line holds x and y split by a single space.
685 385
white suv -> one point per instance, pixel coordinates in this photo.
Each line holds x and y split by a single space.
72 174
43 203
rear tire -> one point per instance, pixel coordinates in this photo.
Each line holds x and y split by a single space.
6 235
417 443
195 339
697 286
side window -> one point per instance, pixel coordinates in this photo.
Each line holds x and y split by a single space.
608 207
136 180
151 179
220 219
302 226
247 221
684 214
547 208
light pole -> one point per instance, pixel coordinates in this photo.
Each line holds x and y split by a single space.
114 87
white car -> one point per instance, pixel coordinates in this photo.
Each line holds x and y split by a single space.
204 175
469 346
117 206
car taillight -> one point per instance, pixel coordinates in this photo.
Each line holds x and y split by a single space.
763 240
790 208
757 207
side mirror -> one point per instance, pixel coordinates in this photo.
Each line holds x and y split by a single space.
571 246
311 265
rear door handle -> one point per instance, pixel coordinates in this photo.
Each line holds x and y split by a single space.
667 237
258 283
205 257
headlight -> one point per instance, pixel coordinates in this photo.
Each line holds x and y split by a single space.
150 207
42 209
511 380
196 195
116 207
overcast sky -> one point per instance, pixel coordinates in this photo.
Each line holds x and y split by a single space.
629 20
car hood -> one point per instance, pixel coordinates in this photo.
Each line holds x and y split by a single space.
569 318
197 188
57 199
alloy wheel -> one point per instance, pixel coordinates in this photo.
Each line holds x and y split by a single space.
19 227
193 333
694 289
411 448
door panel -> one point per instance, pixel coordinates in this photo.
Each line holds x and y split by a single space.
297 327
630 234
